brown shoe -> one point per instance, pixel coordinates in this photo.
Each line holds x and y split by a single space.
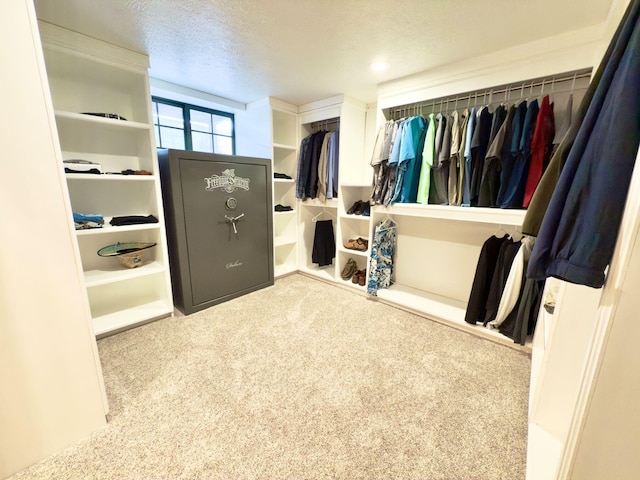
356 276
363 278
357 244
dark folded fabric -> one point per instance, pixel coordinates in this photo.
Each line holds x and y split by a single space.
92 170
283 208
105 115
132 220
281 175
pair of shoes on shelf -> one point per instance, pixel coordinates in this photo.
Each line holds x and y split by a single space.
359 244
360 208
283 208
349 270
359 277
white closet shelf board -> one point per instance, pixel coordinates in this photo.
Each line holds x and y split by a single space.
361 218
111 229
314 202
283 180
283 146
109 178
284 269
442 310
127 318
543 454
496 216
359 253
282 241
122 125
94 278
285 214
322 273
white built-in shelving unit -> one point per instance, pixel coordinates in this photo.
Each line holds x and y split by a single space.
349 117
86 75
284 128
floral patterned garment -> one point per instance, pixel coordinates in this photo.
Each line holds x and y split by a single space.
383 251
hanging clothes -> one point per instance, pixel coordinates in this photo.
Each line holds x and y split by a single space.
485 269
479 145
512 288
464 126
490 182
333 164
580 227
424 182
508 187
454 158
324 243
394 156
540 148
468 166
322 169
411 158
507 253
440 170
383 249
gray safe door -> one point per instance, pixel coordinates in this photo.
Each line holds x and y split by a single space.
226 226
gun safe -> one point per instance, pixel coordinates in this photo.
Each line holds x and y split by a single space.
218 211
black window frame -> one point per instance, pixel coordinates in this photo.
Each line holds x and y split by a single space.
186 117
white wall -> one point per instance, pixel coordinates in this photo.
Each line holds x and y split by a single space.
51 392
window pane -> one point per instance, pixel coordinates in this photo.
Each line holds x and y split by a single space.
172 138
154 111
170 116
157 132
201 142
223 145
200 121
222 125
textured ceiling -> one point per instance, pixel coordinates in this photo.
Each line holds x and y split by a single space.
306 50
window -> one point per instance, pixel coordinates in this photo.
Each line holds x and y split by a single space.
188 127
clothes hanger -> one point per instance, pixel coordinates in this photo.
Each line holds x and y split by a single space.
315 219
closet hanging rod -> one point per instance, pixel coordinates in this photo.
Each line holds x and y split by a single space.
484 93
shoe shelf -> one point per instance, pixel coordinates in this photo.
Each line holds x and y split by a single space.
359 253
71 177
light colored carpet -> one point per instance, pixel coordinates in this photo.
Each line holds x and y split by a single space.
304 380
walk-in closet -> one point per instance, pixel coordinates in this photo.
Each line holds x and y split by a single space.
433 273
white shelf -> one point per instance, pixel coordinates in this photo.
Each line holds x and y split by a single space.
324 273
282 241
282 146
543 454
353 252
498 216
110 177
283 214
284 180
94 278
131 316
102 122
314 202
445 310
106 229
284 269
362 218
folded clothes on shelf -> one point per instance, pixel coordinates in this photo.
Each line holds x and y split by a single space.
128 171
132 220
283 208
77 165
282 176
105 115
83 221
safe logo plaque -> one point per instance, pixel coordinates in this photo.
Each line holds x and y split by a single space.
228 182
